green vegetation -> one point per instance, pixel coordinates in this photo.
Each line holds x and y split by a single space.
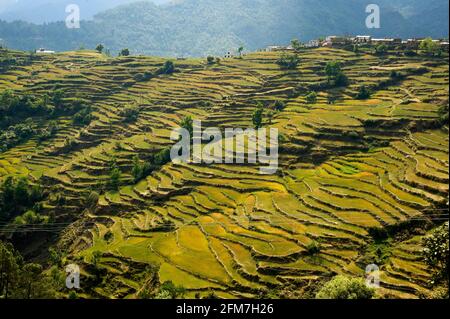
124 52
335 75
99 48
311 98
279 106
21 280
342 287
436 252
381 49
257 117
430 48
17 195
168 68
140 169
363 93
130 114
288 62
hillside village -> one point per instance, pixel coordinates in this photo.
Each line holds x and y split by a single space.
362 40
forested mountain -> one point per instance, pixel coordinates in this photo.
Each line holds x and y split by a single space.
42 11
200 27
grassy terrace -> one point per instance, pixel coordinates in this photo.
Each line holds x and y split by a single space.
345 168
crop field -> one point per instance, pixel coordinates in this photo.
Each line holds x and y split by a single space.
346 169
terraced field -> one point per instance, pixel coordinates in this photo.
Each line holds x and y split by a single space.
346 168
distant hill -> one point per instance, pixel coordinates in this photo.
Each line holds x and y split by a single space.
44 11
201 27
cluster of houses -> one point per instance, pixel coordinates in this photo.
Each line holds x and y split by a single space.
340 41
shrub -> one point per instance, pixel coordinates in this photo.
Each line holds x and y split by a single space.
140 169
124 52
257 116
334 72
142 77
311 98
167 68
91 200
381 49
430 47
342 287
279 106
363 93
162 157
169 291
114 178
313 248
130 114
83 117
288 62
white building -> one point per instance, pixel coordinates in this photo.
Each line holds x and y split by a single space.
312 44
272 48
363 39
44 51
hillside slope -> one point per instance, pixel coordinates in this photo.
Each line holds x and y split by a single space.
346 168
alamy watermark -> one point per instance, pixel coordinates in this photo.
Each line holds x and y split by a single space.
73 19
373 20
236 145
73 276
373 276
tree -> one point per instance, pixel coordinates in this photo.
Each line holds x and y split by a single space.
334 73
279 105
313 248
332 70
436 251
381 49
114 174
430 47
170 291
20 280
257 116
288 62
124 52
99 48
363 93
140 169
240 50
188 123
311 98
91 200
57 98
130 114
331 99
162 157
210 60
83 117
342 287
270 115
296 45
167 68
